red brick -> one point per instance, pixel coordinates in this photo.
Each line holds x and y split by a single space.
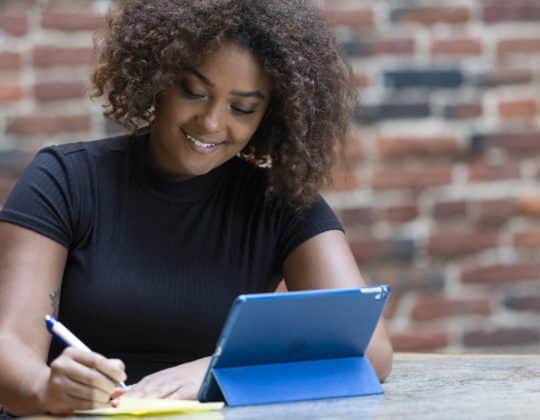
501 337
6 184
529 239
524 142
482 171
357 216
48 56
508 77
497 274
354 150
72 21
407 146
10 93
464 110
396 46
445 210
449 244
529 205
516 10
429 307
391 306
519 46
39 125
524 108
495 212
369 249
343 180
14 24
433 15
10 61
364 18
401 213
51 91
360 80
417 177
457 46
429 340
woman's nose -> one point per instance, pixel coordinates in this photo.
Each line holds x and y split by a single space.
212 119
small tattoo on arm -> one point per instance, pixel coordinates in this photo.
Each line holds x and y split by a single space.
55 301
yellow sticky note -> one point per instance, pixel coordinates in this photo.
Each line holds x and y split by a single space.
140 406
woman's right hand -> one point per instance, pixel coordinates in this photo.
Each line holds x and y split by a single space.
80 380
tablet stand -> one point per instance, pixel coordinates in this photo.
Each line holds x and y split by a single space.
293 381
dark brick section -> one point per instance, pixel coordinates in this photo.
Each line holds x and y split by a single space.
429 78
523 303
403 249
404 278
369 47
355 48
372 249
385 111
477 144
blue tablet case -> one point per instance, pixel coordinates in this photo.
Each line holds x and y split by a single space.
277 347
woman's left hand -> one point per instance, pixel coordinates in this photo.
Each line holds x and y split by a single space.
181 382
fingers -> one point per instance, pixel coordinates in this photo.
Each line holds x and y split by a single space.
81 380
111 368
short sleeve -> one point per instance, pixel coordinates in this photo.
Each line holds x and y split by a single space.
298 227
43 199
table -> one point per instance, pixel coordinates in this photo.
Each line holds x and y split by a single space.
430 386
422 386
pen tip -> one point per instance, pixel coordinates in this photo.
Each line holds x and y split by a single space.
48 318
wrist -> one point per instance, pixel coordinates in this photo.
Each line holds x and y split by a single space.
38 390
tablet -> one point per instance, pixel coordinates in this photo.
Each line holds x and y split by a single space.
276 328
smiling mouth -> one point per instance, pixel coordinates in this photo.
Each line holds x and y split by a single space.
200 143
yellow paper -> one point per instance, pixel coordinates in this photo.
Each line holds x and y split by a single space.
140 406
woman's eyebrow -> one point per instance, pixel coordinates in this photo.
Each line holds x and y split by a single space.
206 81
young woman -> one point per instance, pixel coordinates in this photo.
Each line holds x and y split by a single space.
140 243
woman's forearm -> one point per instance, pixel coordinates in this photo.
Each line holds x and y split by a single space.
380 352
21 373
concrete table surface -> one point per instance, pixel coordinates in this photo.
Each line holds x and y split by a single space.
430 386
421 386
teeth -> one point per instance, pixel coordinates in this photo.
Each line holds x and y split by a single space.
200 143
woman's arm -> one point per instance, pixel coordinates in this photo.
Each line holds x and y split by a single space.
325 262
31 269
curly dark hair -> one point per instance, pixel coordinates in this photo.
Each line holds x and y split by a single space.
145 43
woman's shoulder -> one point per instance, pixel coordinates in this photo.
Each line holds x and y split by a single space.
95 148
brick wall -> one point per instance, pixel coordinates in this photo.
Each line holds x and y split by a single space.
440 198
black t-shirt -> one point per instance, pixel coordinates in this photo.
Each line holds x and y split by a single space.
154 264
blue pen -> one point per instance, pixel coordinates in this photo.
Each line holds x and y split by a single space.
66 337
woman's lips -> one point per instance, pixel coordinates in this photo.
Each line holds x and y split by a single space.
200 146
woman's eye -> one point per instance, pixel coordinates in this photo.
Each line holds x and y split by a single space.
189 93
242 111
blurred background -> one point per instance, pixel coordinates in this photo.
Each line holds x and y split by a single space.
440 197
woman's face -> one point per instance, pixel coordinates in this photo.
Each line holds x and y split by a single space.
211 114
